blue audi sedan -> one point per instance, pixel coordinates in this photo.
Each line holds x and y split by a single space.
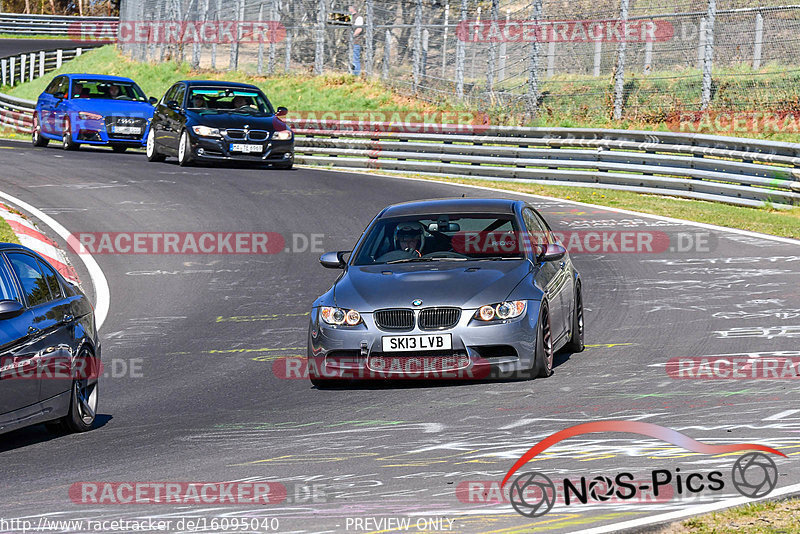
92 109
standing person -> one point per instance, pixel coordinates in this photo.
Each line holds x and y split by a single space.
358 38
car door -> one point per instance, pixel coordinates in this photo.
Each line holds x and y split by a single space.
19 387
60 107
568 291
159 125
46 104
50 321
176 118
550 274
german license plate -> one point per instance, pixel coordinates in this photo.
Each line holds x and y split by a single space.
413 343
247 149
127 130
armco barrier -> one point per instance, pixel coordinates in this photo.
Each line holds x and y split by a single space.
725 169
705 167
19 24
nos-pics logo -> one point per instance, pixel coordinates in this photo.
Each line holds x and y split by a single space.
533 493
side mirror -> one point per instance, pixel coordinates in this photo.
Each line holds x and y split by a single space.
10 309
153 100
334 260
59 95
173 105
552 253
281 112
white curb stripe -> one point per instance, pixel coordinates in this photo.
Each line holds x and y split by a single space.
103 294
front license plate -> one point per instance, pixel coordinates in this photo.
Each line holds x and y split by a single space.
424 342
127 130
238 147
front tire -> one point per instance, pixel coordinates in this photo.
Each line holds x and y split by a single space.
152 149
66 137
184 150
576 339
36 134
543 356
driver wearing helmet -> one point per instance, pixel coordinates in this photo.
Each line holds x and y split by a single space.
409 237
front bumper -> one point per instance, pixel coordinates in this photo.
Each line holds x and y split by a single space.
95 132
479 350
215 148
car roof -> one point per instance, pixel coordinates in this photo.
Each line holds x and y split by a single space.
217 83
452 205
104 77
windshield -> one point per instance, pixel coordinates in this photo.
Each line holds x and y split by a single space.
229 100
446 237
107 90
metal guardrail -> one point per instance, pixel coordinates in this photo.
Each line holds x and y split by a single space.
724 169
17 24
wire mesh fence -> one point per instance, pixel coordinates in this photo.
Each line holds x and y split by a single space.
577 59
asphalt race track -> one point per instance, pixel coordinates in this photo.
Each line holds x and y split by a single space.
197 337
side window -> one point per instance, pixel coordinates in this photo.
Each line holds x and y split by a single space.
8 289
52 281
179 94
53 87
169 94
63 87
30 277
536 228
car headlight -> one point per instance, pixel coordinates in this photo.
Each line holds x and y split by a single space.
85 115
282 135
340 316
206 131
501 311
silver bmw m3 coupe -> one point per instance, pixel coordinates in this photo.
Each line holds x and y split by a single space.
447 289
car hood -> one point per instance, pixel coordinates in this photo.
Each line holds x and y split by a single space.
462 284
123 108
237 120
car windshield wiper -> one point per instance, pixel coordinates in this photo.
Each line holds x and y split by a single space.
412 260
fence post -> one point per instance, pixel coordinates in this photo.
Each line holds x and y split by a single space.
319 50
619 74
369 40
22 68
78 51
708 59
287 64
3 64
444 39
32 68
475 39
493 30
503 52
701 44
273 17
387 54
461 52
12 72
42 59
533 75
417 44
648 57
758 41
426 35
234 59
59 58
214 44
351 43
196 45
260 67
598 57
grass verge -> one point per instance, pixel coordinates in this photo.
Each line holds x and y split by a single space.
757 518
7 235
